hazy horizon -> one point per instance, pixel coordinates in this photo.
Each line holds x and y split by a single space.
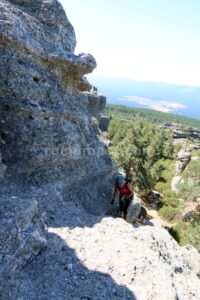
170 98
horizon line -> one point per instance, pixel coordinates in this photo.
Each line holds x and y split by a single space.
145 81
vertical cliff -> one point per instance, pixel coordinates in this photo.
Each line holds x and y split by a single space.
48 125
50 152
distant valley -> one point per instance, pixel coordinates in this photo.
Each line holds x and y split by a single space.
177 99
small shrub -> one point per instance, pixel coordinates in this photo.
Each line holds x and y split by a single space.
168 212
170 201
175 234
186 233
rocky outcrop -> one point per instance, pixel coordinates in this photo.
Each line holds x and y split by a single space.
193 215
95 258
168 126
50 151
47 122
194 132
175 181
104 123
178 133
94 103
183 158
21 235
56 178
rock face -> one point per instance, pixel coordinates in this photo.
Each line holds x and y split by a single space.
194 132
95 258
178 134
56 178
104 123
21 236
49 149
2 167
95 104
175 181
46 126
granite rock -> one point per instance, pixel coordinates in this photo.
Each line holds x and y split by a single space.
95 257
50 150
183 158
57 178
104 123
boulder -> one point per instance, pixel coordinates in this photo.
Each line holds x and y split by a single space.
193 215
175 180
133 210
178 134
104 123
183 158
21 235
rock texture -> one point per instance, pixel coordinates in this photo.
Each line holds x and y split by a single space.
175 181
178 133
47 128
194 132
2 167
95 103
104 123
49 148
91 257
192 215
56 178
21 236
183 158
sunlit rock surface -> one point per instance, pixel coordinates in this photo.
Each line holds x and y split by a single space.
56 178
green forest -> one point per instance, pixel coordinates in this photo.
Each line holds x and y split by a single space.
147 155
150 115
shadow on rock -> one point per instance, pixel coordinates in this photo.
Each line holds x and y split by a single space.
57 272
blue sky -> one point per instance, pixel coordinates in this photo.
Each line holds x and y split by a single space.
148 40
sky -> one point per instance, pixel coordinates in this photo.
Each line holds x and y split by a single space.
147 40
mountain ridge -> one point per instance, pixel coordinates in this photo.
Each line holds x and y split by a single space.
157 116
178 99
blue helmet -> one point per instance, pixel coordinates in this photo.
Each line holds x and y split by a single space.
119 179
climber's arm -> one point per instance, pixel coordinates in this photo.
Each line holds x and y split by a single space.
129 186
114 194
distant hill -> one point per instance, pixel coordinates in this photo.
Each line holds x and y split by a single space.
177 99
151 115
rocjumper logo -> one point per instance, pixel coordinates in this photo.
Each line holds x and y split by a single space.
75 151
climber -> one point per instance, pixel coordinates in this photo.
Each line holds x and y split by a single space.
126 192
94 90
